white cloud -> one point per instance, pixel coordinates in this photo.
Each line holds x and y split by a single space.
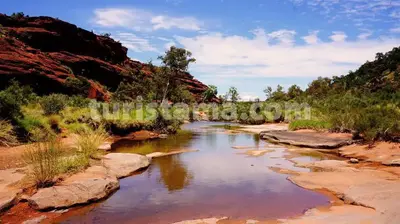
362 12
141 20
248 96
166 22
395 15
134 43
338 36
219 55
395 30
365 35
312 37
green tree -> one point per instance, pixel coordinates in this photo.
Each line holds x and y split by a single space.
175 60
279 94
294 91
211 92
232 94
268 92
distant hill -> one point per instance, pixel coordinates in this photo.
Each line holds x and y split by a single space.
48 53
382 73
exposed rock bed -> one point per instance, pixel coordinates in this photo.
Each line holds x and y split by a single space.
124 164
385 153
306 139
96 183
160 154
8 191
44 52
363 186
92 185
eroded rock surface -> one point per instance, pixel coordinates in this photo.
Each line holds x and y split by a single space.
8 190
202 221
92 185
367 187
124 164
386 153
337 214
161 154
306 139
45 52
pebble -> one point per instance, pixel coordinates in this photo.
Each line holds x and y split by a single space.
354 160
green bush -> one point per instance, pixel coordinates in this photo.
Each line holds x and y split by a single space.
53 104
7 135
88 141
37 128
78 101
309 124
379 122
12 98
79 85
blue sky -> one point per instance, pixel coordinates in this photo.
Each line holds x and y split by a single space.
249 44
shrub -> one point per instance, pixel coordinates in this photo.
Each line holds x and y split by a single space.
43 160
88 141
7 136
378 122
53 104
37 128
78 101
12 98
17 15
309 124
79 85
74 163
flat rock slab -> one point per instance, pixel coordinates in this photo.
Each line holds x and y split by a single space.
365 186
8 190
387 153
336 214
124 164
161 154
202 221
92 185
306 139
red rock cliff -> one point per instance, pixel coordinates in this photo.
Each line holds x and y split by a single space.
43 52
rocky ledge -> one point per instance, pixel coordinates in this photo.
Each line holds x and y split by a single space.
45 52
96 183
306 139
367 187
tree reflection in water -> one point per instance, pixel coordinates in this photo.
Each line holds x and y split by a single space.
173 172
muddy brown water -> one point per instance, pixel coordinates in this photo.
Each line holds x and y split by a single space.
216 181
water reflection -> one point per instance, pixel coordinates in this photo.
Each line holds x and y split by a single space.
173 172
216 181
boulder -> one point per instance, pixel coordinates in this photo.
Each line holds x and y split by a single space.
354 160
124 164
92 185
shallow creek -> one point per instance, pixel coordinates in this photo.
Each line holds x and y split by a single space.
217 181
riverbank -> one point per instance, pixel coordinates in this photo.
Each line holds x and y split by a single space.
341 179
364 183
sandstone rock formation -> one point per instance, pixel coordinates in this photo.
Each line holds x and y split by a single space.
92 185
8 191
306 139
43 52
124 164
